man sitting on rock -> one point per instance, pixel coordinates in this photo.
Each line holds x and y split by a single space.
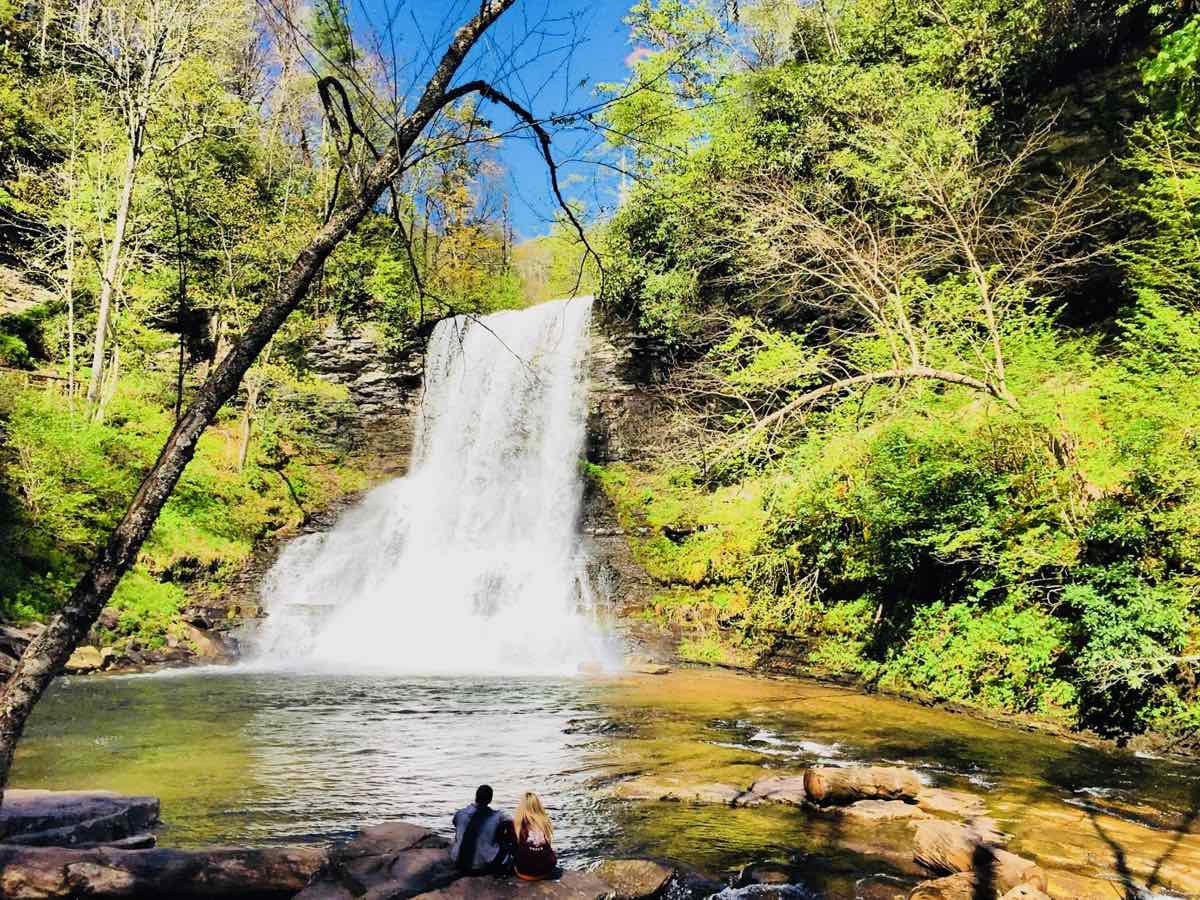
483 837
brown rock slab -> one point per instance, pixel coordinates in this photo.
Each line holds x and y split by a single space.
51 873
951 803
650 789
65 818
572 886
780 789
830 785
84 659
883 811
950 847
634 879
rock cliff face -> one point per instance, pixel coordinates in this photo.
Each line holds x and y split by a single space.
624 410
384 394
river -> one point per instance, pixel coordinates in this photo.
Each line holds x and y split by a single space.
254 758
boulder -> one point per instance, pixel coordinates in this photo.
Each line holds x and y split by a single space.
571 886
769 873
949 847
883 811
951 803
634 879
66 818
783 789
85 659
829 785
57 873
205 645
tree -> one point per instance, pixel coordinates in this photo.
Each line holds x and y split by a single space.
132 49
46 654
927 295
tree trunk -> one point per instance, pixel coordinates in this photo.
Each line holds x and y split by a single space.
69 296
46 654
111 267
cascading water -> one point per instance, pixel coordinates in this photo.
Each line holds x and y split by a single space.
470 563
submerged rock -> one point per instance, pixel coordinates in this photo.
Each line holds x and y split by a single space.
650 789
883 811
951 803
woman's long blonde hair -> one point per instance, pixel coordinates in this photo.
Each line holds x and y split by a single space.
531 815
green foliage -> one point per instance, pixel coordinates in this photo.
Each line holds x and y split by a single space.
67 479
1173 74
936 545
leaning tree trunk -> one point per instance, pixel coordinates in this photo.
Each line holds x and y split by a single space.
46 654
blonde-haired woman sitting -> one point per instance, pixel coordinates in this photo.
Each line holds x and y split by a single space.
535 858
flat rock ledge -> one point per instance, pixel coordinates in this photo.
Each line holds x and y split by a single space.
71 818
65 873
397 860
392 861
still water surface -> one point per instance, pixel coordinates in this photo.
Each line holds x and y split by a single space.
253 758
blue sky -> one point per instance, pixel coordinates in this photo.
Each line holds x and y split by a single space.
547 55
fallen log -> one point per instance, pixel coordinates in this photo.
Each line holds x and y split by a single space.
829 785
60 873
950 848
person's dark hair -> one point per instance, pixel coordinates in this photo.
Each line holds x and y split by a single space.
483 795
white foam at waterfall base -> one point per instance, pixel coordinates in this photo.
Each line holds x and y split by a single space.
470 563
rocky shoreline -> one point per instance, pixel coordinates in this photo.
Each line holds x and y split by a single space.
98 844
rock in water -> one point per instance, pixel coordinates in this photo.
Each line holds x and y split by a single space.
648 788
953 887
572 886
951 803
84 659
785 789
950 847
883 811
829 785
64 818
634 879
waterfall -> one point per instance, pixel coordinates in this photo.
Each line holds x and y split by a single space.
470 563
